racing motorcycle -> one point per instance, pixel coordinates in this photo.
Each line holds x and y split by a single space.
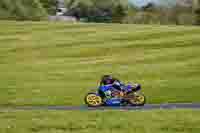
129 96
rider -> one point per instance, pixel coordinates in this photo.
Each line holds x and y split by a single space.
115 83
109 80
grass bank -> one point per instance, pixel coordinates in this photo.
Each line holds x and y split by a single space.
184 121
45 63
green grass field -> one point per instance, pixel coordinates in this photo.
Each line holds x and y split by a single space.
178 121
57 63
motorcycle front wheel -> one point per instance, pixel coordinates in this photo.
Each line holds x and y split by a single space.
93 100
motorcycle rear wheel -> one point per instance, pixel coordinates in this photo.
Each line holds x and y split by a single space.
137 99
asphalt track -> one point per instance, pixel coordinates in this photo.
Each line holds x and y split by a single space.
85 108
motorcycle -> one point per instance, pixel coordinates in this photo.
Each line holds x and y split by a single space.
129 95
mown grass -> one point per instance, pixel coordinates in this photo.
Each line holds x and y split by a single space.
45 63
183 121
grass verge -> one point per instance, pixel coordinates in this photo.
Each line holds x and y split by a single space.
45 63
165 121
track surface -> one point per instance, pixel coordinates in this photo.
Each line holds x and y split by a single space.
145 107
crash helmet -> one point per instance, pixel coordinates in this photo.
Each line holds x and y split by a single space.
107 79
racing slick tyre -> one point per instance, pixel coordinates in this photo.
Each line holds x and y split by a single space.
137 99
93 100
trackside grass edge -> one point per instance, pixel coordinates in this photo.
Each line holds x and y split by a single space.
45 63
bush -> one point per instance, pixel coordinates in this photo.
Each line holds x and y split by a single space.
197 12
98 11
22 10
152 14
50 6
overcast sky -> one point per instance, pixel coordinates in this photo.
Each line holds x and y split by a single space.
139 2
144 2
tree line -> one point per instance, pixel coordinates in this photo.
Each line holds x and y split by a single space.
84 10
159 14
22 10
110 11
106 11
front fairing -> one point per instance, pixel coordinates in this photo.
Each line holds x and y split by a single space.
130 88
113 102
105 88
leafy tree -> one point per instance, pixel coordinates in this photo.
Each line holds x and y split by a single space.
49 5
119 13
98 11
197 12
22 10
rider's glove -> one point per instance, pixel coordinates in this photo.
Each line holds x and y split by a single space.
136 87
108 94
